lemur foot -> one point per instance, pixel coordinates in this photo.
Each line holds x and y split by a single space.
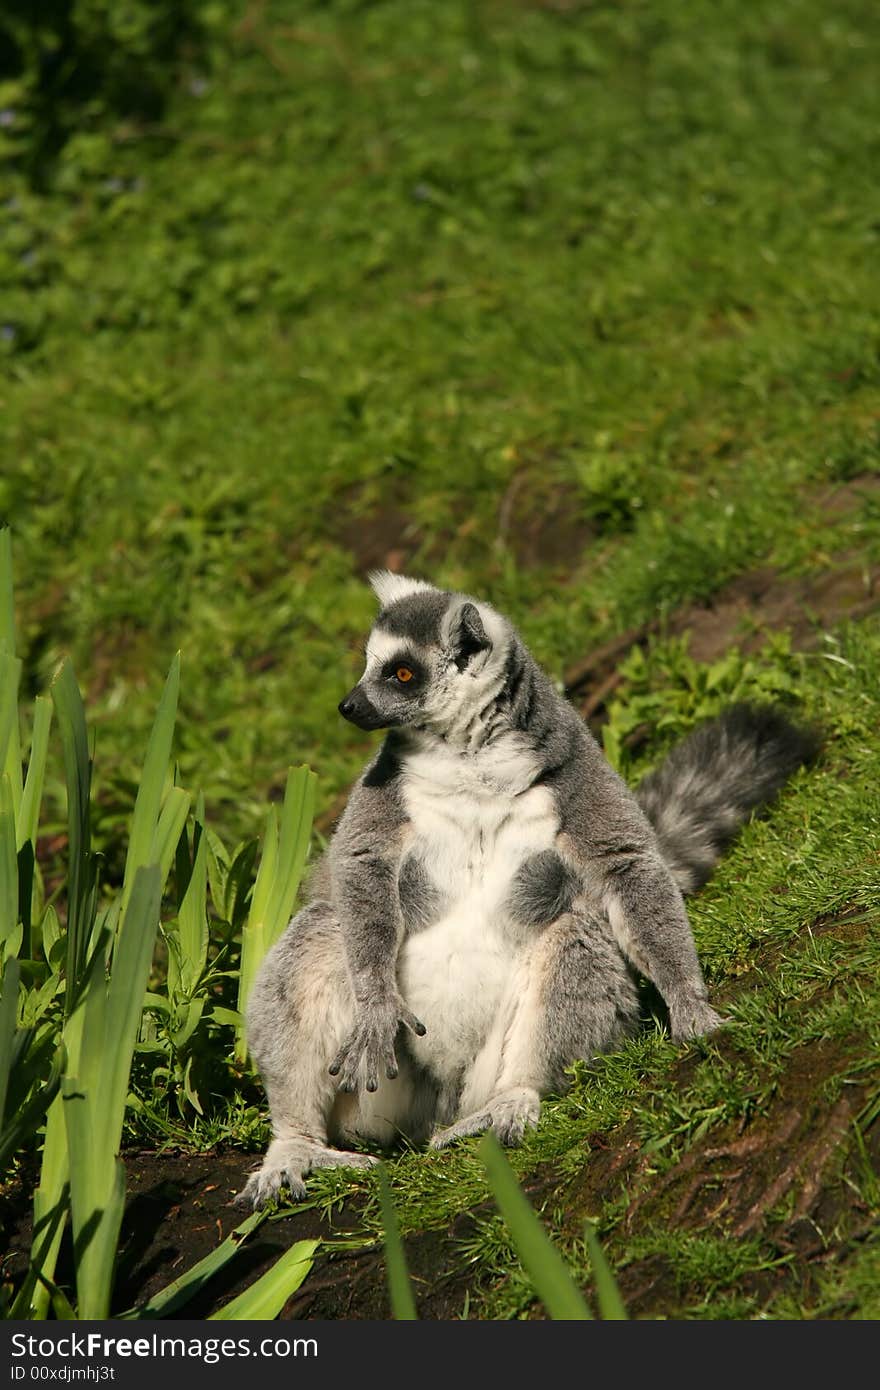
508 1115
693 1018
287 1163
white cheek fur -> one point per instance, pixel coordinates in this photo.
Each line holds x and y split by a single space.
382 647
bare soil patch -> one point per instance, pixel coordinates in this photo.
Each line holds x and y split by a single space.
740 614
540 521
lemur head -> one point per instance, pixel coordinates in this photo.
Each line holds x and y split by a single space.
434 659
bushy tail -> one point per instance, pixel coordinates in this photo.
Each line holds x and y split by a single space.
711 782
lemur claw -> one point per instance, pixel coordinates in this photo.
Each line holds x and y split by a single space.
371 1044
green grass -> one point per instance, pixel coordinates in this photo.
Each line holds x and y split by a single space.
445 279
394 260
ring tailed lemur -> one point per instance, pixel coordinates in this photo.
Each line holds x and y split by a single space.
488 894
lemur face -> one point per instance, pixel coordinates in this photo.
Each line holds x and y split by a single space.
431 656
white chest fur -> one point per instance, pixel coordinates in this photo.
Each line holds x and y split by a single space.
474 819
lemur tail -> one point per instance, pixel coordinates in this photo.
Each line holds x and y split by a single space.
709 784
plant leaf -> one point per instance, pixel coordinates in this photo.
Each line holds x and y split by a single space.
94 1098
192 922
9 934
541 1260
10 746
148 802
169 827
265 1298
82 868
403 1304
29 812
8 1012
611 1305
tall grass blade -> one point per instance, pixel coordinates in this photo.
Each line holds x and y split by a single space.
192 921
253 933
265 874
7 593
49 1198
148 804
55 1165
24 1124
10 746
10 939
84 933
33 1295
611 1305
94 1099
97 1200
172 819
541 1261
403 1304
294 833
8 1012
283 859
266 1297
29 813
10 673
128 983
82 866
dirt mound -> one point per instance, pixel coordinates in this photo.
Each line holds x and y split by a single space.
740 614
782 1176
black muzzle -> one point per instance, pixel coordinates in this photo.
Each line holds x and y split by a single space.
357 709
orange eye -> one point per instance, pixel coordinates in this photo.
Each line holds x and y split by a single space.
403 674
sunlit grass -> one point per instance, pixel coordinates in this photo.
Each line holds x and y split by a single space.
436 271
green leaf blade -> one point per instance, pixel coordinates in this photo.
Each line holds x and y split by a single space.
10 939
403 1304
265 1298
541 1261
611 1305
70 714
8 1011
148 803
128 983
29 813
192 921
10 745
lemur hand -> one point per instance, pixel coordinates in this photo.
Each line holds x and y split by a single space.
372 1042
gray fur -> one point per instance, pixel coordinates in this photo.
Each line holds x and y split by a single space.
492 873
421 901
416 618
543 889
712 781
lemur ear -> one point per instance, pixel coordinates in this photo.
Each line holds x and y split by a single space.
469 637
389 587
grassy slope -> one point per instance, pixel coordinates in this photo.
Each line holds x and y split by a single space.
431 267
405 254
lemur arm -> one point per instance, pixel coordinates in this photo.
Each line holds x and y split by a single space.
364 860
649 919
615 851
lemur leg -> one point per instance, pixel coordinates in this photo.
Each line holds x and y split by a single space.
572 996
301 1010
